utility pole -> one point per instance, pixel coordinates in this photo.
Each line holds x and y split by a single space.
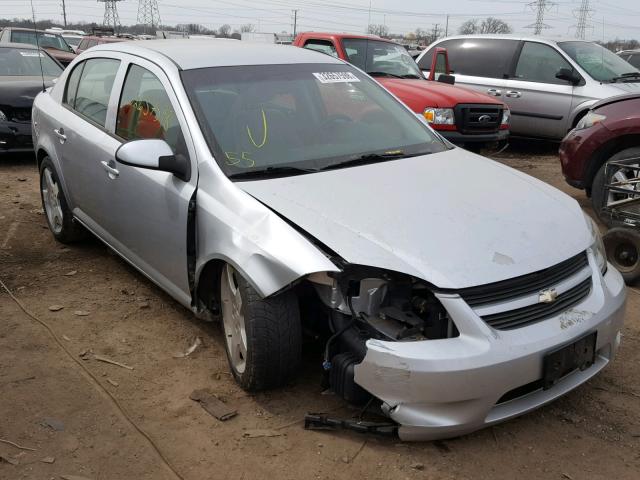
64 14
540 7
436 31
446 28
295 23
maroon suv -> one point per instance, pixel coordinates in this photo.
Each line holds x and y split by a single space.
609 131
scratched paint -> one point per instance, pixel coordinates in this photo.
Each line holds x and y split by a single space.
573 317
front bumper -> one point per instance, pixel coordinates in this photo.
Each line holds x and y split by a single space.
461 138
15 137
445 388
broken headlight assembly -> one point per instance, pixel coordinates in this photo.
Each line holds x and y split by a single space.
597 247
366 303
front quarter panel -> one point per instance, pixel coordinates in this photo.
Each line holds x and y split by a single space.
234 227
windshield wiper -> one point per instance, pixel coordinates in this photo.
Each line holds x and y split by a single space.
384 74
269 172
372 158
412 75
626 76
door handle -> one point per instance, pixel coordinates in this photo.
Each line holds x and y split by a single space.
60 134
110 168
495 92
513 94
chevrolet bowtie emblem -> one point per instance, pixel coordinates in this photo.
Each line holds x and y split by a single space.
548 296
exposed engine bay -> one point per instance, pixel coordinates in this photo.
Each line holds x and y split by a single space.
366 303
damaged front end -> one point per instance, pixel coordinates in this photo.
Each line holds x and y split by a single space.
367 304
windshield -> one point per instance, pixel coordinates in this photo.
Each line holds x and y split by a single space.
23 62
46 40
75 41
302 116
381 58
602 64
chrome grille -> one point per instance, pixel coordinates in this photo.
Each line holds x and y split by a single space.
478 119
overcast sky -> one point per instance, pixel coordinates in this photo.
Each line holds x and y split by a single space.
610 19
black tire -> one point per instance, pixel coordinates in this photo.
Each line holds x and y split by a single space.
623 252
273 336
598 201
68 230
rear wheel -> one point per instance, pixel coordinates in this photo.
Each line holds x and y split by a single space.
598 199
263 336
59 218
623 251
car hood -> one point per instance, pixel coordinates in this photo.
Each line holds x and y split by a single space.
454 219
63 57
19 92
418 94
631 87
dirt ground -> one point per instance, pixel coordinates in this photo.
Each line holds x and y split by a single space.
49 404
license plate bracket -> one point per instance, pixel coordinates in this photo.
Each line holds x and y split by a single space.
580 354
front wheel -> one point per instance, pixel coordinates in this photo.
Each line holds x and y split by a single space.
598 199
263 336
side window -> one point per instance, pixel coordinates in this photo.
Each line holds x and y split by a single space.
323 46
71 88
92 43
83 44
145 110
94 88
634 60
540 63
476 57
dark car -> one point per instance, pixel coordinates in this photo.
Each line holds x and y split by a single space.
609 131
21 79
53 43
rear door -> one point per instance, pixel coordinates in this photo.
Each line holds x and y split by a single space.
84 142
540 103
482 64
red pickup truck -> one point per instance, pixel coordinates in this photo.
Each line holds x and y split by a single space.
462 116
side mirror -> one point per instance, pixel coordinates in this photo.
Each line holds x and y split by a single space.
444 78
569 75
154 154
439 63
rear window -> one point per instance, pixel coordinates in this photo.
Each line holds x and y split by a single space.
476 57
23 62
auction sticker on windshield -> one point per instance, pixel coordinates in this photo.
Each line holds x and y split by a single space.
336 77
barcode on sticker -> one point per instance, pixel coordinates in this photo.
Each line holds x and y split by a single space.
336 77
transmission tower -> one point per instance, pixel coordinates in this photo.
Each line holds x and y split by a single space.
148 14
540 7
583 15
111 17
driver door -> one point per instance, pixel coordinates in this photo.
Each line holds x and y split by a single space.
539 101
148 211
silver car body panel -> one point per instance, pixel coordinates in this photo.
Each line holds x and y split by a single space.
558 106
430 217
392 215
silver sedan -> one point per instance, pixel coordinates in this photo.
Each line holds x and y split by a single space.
281 190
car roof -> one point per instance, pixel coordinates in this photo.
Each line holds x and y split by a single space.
190 54
345 35
526 38
24 46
